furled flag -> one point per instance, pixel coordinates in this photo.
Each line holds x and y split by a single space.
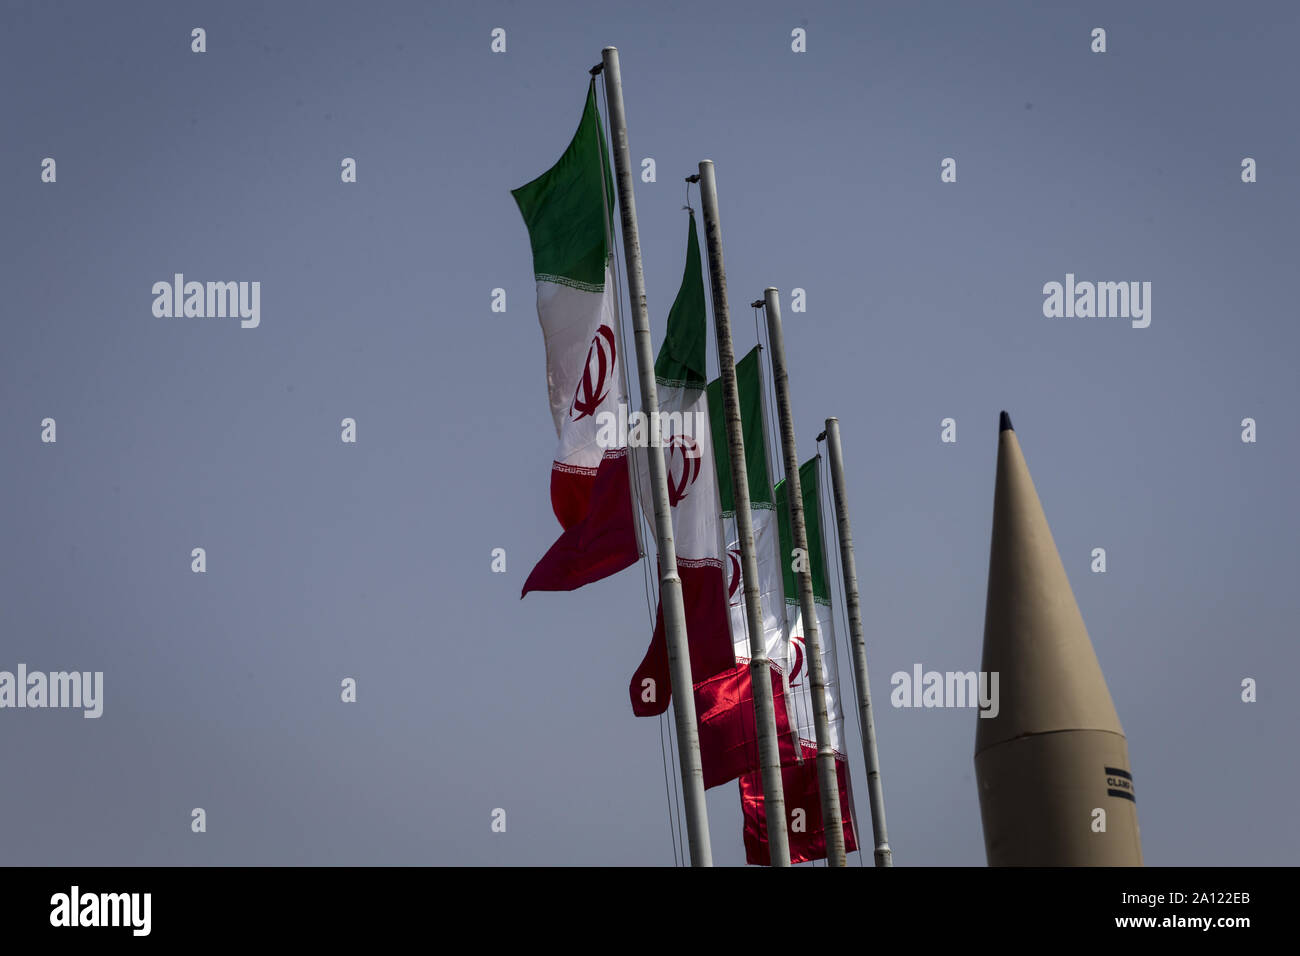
802 795
724 700
566 210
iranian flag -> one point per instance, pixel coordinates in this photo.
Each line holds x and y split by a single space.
724 706
802 794
800 686
692 494
763 509
803 807
566 212
724 699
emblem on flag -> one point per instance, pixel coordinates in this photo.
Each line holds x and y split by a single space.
592 388
682 448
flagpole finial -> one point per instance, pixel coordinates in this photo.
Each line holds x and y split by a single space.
595 70
1005 424
756 304
822 436
693 178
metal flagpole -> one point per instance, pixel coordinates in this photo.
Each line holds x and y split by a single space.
827 780
884 855
769 752
670 585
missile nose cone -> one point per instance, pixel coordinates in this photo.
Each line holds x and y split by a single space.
1049 751
1034 634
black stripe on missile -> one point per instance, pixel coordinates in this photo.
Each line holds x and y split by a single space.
1115 771
1121 793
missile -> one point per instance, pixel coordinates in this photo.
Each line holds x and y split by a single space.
1052 768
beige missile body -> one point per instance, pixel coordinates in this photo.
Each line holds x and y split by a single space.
1055 786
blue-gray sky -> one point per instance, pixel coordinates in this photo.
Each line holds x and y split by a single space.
372 560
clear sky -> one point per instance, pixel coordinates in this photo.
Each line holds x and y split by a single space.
328 560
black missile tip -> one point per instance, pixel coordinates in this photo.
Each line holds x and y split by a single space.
1005 424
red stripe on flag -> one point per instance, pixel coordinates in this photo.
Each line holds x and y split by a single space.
724 706
806 831
571 489
708 632
601 540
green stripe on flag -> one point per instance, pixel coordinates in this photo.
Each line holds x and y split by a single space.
564 209
681 360
812 519
749 385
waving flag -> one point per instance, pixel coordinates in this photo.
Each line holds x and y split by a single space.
724 698
565 210
693 495
803 806
802 795
800 686
763 508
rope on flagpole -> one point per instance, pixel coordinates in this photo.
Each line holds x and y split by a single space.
647 578
663 755
611 241
824 482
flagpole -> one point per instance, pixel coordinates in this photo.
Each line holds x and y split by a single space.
827 779
875 789
670 585
769 751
